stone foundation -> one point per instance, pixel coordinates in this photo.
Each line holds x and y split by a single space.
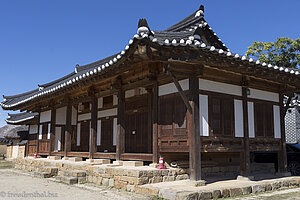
121 177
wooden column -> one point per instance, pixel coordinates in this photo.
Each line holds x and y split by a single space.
68 130
282 157
120 148
38 133
245 154
52 131
155 123
194 130
150 122
93 130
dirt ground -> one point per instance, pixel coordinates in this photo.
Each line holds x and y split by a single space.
15 185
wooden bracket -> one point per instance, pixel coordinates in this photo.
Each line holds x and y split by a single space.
180 90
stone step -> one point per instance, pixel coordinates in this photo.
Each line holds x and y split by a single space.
70 179
75 159
98 161
51 170
54 157
42 174
133 163
73 173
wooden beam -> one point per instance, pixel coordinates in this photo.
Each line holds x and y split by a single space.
180 90
194 131
155 123
68 130
120 148
245 154
150 104
93 130
282 157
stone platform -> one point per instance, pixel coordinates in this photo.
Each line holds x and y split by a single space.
186 190
126 175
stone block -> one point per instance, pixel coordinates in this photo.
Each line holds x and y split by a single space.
182 177
111 182
157 173
133 163
187 195
198 183
120 185
247 190
154 165
268 187
135 173
245 178
293 183
130 188
98 161
146 190
155 179
118 162
81 179
235 192
105 181
275 185
75 159
65 158
168 178
216 194
70 180
164 172
76 173
258 188
205 195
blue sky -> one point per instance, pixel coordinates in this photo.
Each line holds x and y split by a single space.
41 41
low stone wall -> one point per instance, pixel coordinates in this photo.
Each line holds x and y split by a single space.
122 177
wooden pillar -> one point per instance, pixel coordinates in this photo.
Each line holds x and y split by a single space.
68 130
282 157
194 130
93 130
155 123
245 154
150 123
52 131
38 133
120 148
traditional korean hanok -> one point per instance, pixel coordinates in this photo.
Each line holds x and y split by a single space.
180 93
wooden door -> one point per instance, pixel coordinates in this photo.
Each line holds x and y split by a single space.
84 136
32 144
106 136
136 125
44 143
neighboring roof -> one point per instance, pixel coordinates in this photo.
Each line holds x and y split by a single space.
21 118
13 131
3 140
192 32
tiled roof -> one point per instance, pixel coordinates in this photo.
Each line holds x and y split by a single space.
20 117
191 32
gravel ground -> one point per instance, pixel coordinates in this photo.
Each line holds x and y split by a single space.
16 185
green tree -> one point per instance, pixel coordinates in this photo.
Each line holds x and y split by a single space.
283 52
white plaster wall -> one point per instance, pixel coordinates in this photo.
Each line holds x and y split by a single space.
203 112
219 87
238 118
74 116
45 116
58 138
33 129
49 131
170 88
40 132
251 128
115 100
61 115
276 113
15 151
98 132
115 131
263 95
107 113
100 102
85 116
78 134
